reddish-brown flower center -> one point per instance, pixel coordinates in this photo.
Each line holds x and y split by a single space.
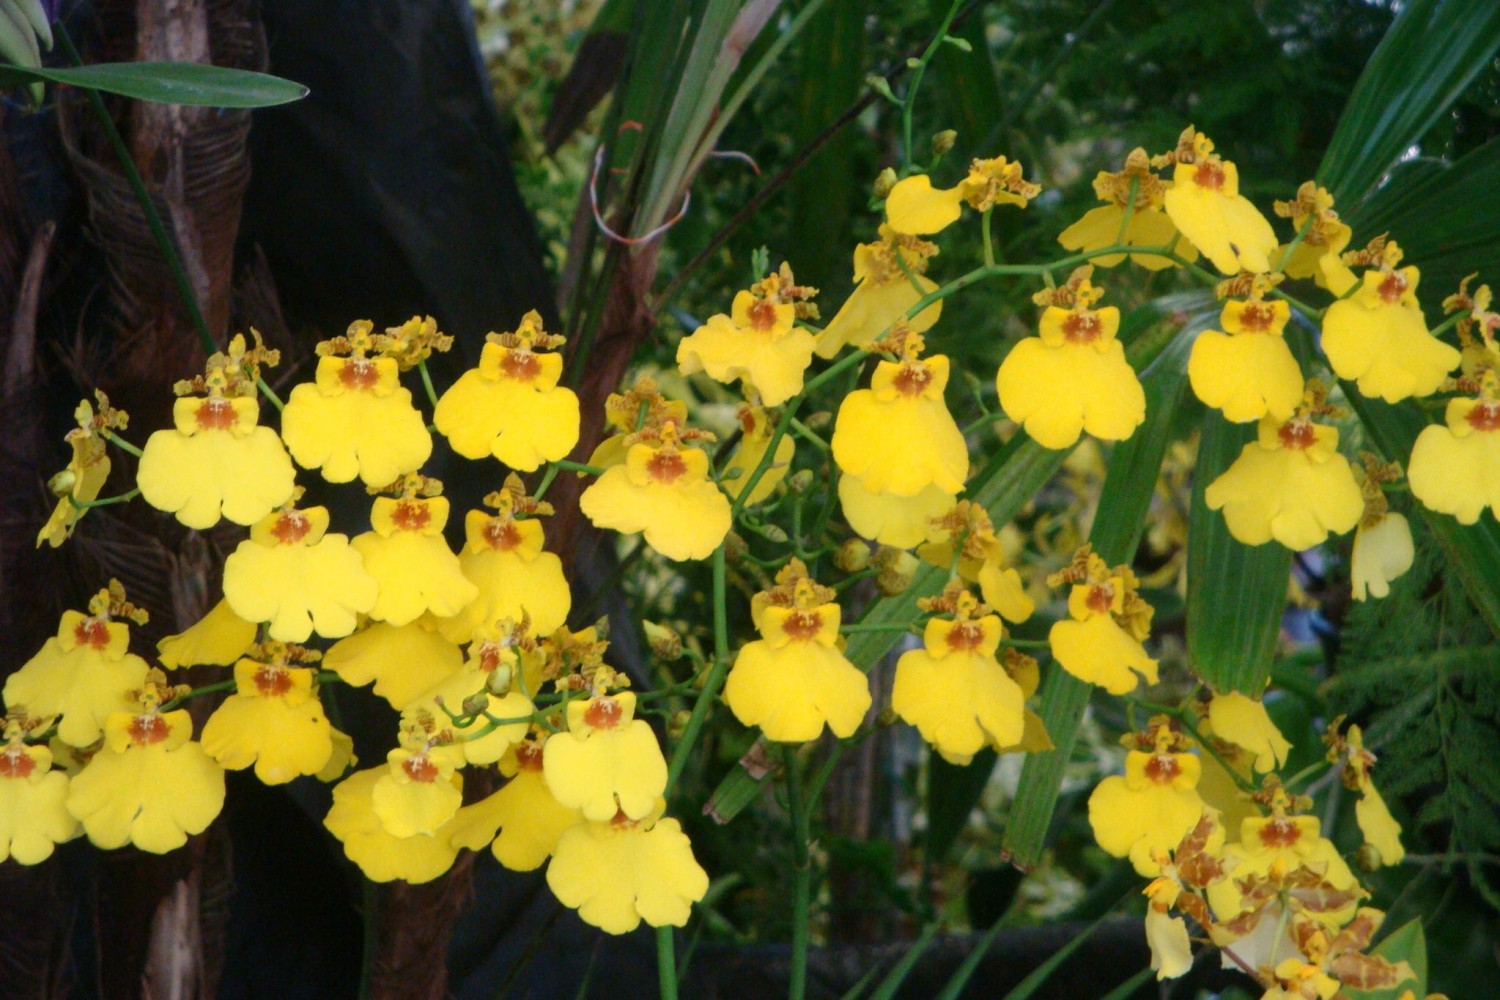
1257 317
803 626
1297 435
1392 287
1162 768
93 632
603 713
523 366
501 534
273 681
1101 598
1484 417
359 374
1082 328
666 466
1210 174
529 756
1280 832
419 767
15 762
411 515
215 415
291 527
762 315
148 729
623 822
965 637
912 379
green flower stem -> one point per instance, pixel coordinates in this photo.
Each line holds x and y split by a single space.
547 477
86 504
120 443
591 470
1291 247
138 186
802 873
984 230
432 396
876 627
1135 190
919 71
716 673
1189 723
197 693
809 435
983 422
269 393
666 962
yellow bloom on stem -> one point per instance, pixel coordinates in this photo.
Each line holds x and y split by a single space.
984 559
491 683
756 431
891 519
662 490
218 638
531 818
897 436
503 557
1248 370
621 871
1073 377
1244 722
419 790
149 785
1290 484
1379 337
883 294
1281 843
915 207
1381 831
1205 203
215 462
410 561
1455 469
795 679
273 720
1171 948
403 661
954 690
511 406
757 343
33 803
384 857
607 762
1146 812
1149 226
1325 235
84 477
291 573
81 674
355 418
1383 550
1101 642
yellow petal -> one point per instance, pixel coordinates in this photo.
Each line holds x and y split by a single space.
240 472
355 420
915 207
1382 552
791 692
151 797
531 819
891 519
299 588
605 763
218 638
403 661
771 362
683 518
903 444
1243 721
1056 393
871 309
1171 949
1205 203
1245 375
617 875
1380 829
1098 651
1385 347
1287 495
33 805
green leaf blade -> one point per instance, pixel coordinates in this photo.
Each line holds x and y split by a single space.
190 84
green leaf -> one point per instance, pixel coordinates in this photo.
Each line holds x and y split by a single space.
1445 216
193 84
1028 986
952 793
1123 504
1431 53
892 982
1406 944
1238 592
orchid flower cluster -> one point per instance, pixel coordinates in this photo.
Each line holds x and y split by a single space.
517 736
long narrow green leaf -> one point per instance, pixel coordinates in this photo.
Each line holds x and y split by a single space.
192 84
1473 550
1429 56
1123 504
892 982
1238 593
1129 986
1028 986
966 969
952 792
